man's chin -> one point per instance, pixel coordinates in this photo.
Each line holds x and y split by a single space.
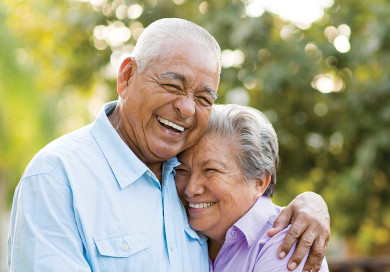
166 154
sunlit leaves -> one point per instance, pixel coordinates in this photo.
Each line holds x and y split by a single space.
323 82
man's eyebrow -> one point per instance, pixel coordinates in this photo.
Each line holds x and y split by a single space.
177 76
212 93
173 75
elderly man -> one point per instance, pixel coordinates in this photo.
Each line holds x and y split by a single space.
103 198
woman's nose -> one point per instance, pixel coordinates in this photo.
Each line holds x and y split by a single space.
194 188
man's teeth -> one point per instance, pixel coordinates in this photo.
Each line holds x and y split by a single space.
200 205
168 123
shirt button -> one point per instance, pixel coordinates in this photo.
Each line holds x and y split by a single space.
234 233
125 246
149 174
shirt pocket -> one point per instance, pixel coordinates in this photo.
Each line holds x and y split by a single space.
124 252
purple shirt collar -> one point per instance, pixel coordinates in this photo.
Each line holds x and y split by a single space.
256 222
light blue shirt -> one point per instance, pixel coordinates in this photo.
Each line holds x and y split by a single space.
87 203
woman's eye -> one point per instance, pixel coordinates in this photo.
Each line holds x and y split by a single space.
180 171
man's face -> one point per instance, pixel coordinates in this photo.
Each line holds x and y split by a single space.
166 108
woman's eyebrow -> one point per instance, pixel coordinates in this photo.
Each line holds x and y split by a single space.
215 162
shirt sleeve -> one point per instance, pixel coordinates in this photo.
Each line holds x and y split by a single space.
268 260
43 231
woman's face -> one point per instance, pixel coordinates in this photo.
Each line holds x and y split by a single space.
211 184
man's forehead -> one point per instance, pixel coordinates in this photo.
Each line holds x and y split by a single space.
181 51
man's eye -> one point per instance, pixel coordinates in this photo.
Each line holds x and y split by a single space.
205 101
172 86
211 170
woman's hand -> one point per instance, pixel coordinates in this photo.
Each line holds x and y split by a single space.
310 226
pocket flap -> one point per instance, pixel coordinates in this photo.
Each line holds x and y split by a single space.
122 245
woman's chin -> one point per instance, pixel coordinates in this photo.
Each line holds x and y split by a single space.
198 226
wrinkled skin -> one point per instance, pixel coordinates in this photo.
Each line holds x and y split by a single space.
180 87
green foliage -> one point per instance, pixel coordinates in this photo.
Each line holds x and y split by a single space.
336 144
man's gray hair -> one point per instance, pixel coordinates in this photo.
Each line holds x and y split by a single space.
255 139
167 30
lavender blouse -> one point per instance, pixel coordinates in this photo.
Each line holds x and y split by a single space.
247 246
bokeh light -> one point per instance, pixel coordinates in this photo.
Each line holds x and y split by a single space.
237 96
341 43
121 12
232 58
134 11
178 2
203 7
327 83
301 13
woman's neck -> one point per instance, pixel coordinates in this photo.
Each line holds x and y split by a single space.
214 248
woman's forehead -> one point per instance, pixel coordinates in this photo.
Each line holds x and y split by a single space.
211 148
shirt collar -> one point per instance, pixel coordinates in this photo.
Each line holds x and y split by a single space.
257 220
125 165
195 235
170 164
168 167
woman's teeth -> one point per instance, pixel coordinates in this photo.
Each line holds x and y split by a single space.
200 205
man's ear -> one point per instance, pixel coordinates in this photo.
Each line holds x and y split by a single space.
126 71
262 184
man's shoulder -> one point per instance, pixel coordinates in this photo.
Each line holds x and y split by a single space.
70 142
65 148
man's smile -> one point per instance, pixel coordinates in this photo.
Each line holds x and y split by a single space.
171 125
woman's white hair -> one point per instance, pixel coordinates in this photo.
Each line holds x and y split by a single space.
167 30
255 140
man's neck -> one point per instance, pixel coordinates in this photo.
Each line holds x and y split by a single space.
156 168
115 120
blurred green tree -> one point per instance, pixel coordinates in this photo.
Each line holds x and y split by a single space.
326 88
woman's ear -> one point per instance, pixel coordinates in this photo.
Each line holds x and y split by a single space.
262 184
126 71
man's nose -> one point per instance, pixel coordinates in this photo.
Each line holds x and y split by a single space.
185 106
194 188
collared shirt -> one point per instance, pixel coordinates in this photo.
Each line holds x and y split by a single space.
247 246
87 203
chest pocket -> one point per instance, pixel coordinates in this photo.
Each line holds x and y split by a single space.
122 253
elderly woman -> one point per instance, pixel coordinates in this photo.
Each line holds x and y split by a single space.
226 181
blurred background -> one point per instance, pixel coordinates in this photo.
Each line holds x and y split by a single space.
319 69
